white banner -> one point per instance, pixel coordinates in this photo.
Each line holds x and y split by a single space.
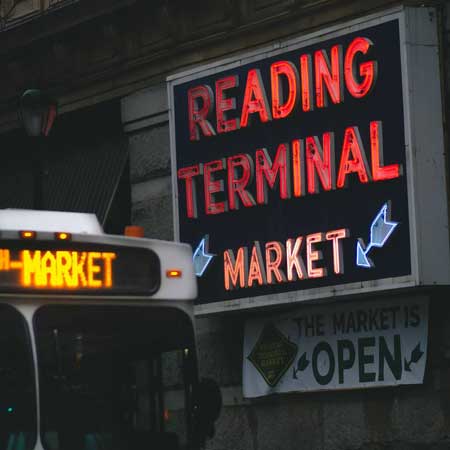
353 345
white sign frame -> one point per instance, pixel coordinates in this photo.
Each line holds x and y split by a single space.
424 151
411 329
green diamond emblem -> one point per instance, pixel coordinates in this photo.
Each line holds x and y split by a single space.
272 354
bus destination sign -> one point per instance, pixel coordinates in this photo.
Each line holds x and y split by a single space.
291 174
80 268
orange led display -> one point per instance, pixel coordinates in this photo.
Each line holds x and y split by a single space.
61 268
86 268
65 269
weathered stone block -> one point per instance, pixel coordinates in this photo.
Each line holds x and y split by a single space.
417 417
149 153
152 207
233 431
220 349
344 425
288 423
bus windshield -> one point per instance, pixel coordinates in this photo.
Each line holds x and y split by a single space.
115 378
17 392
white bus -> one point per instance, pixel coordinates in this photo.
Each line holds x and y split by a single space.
97 341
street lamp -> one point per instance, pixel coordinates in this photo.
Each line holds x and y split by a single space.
37 113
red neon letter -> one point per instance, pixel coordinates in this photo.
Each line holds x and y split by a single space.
225 104
338 257
235 269
314 255
187 173
212 187
237 185
307 88
197 114
256 270
255 100
267 170
331 74
353 145
297 167
287 69
380 173
367 70
293 260
320 162
273 264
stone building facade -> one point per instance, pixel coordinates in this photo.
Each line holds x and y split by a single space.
107 62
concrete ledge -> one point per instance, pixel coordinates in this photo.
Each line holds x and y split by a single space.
145 108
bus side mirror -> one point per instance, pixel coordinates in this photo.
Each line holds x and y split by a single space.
208 407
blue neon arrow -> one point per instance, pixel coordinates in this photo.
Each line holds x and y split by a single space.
380 230
201 257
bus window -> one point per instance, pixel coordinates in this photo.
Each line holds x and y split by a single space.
17 392
114 378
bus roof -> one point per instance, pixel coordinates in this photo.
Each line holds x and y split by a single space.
53 221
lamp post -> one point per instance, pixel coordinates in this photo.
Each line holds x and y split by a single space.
37 113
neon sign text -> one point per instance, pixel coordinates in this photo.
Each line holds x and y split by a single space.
331 71
281 262
302 167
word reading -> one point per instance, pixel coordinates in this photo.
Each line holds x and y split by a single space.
330 71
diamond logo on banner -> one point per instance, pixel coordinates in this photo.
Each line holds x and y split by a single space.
273 354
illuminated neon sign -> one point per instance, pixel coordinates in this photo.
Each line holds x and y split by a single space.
311 159
283 262
77 268
380 230
201 257
291 160
209 105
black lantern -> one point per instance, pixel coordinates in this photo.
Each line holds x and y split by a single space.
37 112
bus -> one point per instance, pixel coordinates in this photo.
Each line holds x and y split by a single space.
97 341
